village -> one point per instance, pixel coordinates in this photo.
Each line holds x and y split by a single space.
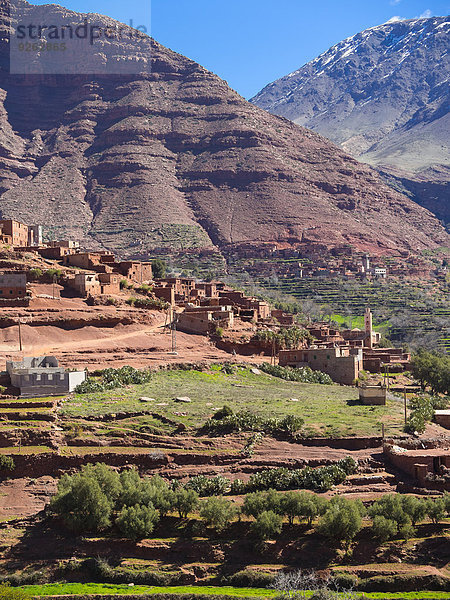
121 363
213 309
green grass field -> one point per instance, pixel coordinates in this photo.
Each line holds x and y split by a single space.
327 410
71 589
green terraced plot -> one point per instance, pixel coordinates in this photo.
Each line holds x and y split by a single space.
327 410
78 589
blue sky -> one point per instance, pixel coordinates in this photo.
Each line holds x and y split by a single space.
252 42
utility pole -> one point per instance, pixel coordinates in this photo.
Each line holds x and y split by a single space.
20 337
174 335
404 401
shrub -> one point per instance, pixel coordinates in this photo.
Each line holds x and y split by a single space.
223 412
137 522
301 375
348 464
344 581
225 421
208 486
267 525
35 273
291 424
7 463
13 593
217 512
114 378
250 578
50 273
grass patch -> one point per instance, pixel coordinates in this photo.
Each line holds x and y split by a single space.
327 410
60 589
25 450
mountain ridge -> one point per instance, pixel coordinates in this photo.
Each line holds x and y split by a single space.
174 157
383 96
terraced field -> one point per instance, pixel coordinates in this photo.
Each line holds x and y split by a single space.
403 310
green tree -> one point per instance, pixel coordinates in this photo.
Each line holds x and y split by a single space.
436 509
383 529
406 531
446 499
35 273
217 512
254 504
108 480
137 522
390 506
342 520
311 507
158 268
415 508
267 525
185 501
82 504
290 505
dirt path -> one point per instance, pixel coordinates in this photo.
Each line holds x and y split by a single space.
137 330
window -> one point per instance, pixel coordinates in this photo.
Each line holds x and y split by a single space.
315 357
328 357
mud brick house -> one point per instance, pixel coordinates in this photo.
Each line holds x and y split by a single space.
210 289
16 231
95 284
324 333
166 293
248 308
283 318
376 360
55 252
182 286
204 320
13 285
139 272
90 260
109 283
423 465
41 376
341 364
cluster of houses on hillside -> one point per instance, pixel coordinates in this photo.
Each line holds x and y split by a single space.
343 354
202 307
313 259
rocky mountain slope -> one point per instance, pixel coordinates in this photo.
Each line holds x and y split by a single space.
384 96
173 157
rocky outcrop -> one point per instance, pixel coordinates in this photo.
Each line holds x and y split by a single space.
172 157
